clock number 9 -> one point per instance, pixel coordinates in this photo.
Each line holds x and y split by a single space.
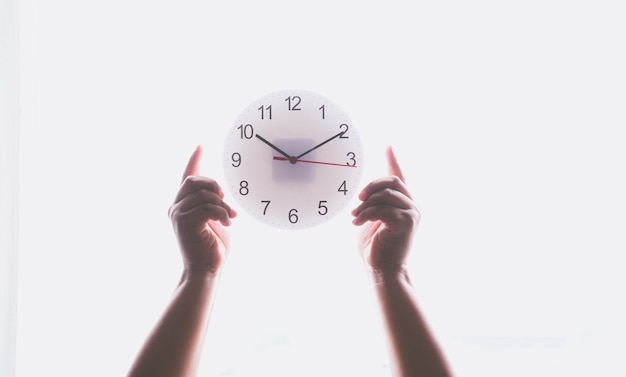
344 128
236 157
293 216
246 131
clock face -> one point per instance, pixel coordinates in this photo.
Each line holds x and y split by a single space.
293 159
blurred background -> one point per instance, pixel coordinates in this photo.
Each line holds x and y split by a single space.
507 118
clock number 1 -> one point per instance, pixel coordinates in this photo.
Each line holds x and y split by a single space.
323 110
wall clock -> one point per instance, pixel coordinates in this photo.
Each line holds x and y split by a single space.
293 159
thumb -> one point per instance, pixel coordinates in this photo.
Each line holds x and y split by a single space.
393 168
193 166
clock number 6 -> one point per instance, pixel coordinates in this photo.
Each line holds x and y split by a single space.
293 216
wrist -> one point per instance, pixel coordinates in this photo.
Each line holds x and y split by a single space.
388 273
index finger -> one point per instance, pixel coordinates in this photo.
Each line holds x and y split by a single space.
193 166
393 166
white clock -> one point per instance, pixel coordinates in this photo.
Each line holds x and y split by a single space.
293 159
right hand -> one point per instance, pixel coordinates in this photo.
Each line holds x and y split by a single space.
199 217
388 217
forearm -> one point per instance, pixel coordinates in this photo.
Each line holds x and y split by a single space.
413 350
174 347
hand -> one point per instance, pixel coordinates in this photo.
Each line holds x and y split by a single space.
320 144
199 216
388 217
291 159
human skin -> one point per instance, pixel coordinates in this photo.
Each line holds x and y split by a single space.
388 218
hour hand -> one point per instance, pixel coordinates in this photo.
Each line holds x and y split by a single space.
274 147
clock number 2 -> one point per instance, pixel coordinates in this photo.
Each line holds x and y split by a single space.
344 128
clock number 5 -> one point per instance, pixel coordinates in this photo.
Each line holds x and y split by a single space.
322 207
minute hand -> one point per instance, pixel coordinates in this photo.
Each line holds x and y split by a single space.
320 144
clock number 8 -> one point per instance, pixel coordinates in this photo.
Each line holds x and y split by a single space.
243 188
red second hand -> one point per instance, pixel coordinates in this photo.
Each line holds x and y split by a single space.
314 162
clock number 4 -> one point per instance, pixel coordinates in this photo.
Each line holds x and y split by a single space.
343 188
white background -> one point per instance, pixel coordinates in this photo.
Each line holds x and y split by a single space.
507 118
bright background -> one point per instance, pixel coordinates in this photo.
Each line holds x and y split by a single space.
508 119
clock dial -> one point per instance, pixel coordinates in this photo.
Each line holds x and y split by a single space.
293 159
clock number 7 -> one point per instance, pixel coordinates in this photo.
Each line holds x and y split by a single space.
267 203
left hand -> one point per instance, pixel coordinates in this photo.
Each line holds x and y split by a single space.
199 216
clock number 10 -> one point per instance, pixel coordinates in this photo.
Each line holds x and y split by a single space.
246 131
